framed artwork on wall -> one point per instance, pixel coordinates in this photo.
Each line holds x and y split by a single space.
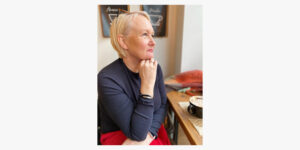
107 15
158 17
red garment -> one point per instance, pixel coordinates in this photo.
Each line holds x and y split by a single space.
118 137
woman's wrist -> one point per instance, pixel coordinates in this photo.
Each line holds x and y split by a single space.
147 91
151 135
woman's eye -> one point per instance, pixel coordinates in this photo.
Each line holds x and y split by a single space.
145 34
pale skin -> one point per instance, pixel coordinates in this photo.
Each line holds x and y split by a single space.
139 46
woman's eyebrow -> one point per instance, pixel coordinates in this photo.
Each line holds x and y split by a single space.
144 30
148 31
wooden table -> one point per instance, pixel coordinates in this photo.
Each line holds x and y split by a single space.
183 116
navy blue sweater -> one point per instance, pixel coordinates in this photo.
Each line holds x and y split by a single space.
122 108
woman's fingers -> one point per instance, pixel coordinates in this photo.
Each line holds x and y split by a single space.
152 60
142 62
155 63
149 63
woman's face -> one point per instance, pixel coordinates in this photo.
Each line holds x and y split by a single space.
139 41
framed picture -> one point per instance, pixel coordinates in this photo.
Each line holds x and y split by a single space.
108 13
158 17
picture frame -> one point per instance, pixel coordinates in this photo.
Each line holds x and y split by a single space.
158 18
108 13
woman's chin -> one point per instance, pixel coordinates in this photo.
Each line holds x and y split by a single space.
149 56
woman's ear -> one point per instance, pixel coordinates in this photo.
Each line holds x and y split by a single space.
121 40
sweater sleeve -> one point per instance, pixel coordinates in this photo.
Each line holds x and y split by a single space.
134 121
159 115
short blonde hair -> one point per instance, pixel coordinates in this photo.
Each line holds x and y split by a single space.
121 25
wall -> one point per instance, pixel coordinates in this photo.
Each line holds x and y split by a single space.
178 44
191 55
106 53
172 51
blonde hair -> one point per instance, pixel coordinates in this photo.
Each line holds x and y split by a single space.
121 25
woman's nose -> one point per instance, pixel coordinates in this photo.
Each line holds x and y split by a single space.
152 42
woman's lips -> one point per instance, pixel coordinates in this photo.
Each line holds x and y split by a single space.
150 50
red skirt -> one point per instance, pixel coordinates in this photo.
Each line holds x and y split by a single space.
118 137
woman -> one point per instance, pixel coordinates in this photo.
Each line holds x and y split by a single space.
131 90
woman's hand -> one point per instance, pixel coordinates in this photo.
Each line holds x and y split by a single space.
147 72
147 141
